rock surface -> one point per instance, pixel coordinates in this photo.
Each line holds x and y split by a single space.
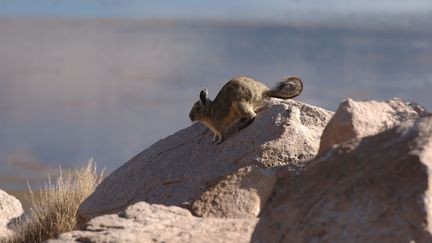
10 208
356 119
241 195
142 222
179 168
373 190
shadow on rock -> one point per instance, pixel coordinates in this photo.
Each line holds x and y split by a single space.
370 190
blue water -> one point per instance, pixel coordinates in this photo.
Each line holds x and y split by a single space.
222 9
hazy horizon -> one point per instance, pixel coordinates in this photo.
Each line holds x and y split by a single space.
224 9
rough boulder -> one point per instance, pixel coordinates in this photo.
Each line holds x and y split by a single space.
241 195
142 222
356 119
375 189
178 169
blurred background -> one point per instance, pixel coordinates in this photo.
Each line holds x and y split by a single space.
105 79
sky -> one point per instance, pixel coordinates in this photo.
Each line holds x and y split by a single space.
225 9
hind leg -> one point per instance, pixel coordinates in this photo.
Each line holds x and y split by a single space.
247 114
218 138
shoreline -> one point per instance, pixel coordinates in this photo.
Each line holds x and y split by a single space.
407 22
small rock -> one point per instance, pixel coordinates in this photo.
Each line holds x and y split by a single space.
10 208
240 195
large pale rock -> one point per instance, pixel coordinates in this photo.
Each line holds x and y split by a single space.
373 190
10 208
142 222
240 195
178 169
356 119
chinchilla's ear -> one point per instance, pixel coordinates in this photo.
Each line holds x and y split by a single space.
203 96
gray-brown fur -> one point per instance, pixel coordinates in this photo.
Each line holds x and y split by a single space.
239 99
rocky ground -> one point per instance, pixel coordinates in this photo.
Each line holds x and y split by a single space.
298 173
10 210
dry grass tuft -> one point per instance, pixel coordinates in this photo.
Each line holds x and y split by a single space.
53 209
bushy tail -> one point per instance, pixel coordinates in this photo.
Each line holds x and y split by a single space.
286 89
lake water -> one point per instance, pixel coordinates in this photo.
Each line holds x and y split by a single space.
108 88
222 9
